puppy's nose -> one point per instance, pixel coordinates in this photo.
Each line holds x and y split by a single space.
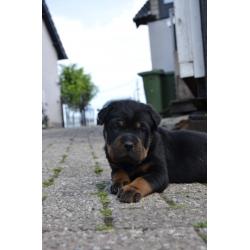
128 145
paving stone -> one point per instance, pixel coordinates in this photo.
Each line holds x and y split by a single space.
158 239
72 209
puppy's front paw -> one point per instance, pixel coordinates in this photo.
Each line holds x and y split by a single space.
129 194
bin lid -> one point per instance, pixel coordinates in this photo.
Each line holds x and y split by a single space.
155 72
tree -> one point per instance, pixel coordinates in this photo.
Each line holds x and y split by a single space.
77 89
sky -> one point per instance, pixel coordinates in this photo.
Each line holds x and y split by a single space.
101 37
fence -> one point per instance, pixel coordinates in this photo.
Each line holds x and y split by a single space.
72 118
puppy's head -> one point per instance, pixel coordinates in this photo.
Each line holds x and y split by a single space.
128 128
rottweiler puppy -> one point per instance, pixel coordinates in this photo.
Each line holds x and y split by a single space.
144 157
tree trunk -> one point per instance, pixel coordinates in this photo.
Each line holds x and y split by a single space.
83 117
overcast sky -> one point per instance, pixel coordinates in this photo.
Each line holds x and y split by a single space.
101 37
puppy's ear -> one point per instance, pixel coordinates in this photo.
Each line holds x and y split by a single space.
103 114
155 116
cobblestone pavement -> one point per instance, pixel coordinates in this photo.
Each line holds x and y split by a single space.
78 212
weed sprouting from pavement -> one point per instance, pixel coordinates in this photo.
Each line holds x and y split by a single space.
44 197
198 228
200 224
101 186
98 169
103 196
50 181
93 153
63 158
56 172
105 211
104 228
171 203
202 235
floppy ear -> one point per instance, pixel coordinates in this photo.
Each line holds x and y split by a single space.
155 116
102 115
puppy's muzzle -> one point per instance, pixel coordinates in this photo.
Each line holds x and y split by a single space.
129 146
129 142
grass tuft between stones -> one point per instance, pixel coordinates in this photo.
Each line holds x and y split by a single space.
101 186
63 158
203 236
44 197
93 154
103 196
56 172
200 225
104 228
105 211
50 181
198 228
173 204
98 169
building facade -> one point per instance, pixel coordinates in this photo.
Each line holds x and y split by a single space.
53 51
177 34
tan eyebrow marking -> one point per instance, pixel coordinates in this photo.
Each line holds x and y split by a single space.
121 123
137 124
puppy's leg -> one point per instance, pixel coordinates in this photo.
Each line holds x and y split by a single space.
134 191
141 187
119 179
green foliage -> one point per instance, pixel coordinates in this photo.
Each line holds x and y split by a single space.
63 158
103 196
48 182
56 172
104 228
98 169
44 197
202 224
106 212
77 88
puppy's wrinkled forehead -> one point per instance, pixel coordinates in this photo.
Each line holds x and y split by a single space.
130 117
129 111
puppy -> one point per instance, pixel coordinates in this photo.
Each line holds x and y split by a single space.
144 157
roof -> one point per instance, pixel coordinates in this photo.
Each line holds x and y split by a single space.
144 16
61 54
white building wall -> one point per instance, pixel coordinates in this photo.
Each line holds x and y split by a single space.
161 45
189 38
163 55
51 88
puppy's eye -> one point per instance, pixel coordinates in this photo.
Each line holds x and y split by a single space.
140 126
143 128
118 124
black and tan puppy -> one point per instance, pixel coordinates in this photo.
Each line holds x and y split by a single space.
145 158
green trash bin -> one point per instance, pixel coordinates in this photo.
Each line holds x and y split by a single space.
159 89
168 91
